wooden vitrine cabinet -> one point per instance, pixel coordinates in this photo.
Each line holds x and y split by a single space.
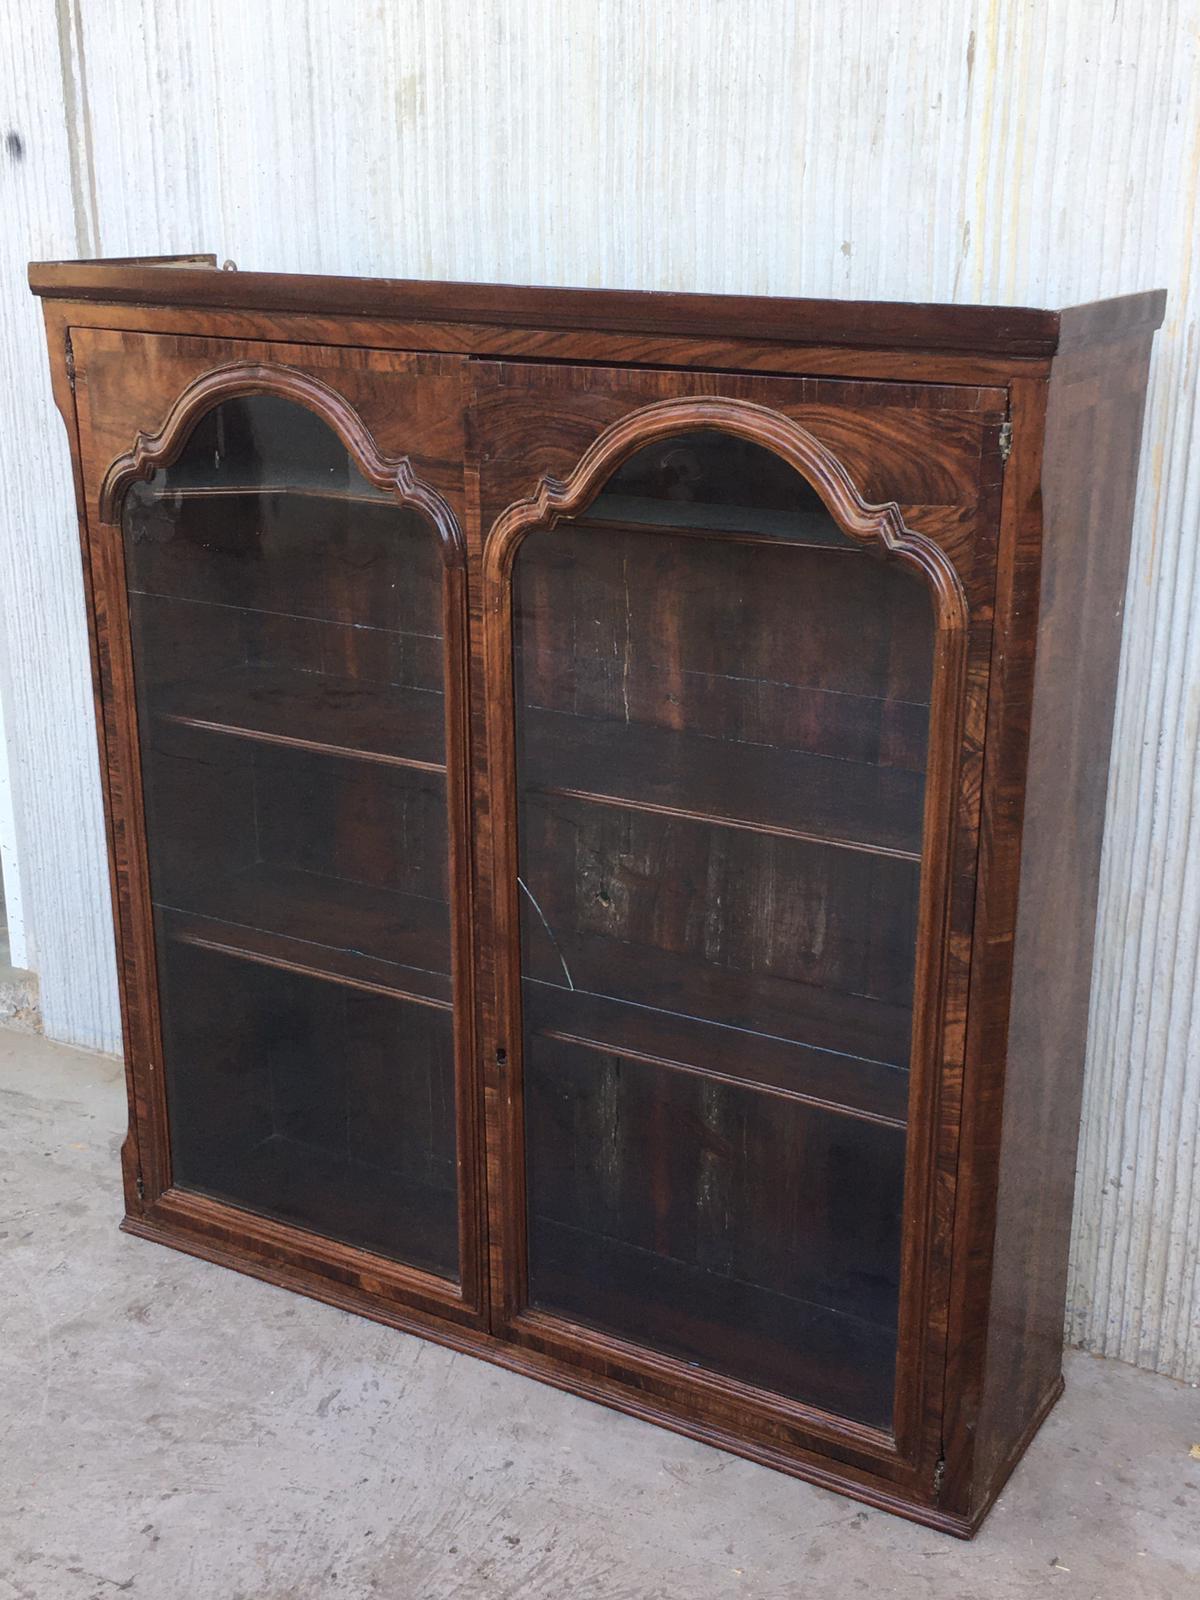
605 796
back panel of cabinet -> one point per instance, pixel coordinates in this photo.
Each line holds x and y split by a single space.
721 762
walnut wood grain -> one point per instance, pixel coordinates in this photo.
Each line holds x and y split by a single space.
1016 330
394 475
713 353
1058 673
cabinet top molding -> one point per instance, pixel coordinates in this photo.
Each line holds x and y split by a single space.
193 281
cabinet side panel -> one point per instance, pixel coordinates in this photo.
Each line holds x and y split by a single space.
61 361
1089 478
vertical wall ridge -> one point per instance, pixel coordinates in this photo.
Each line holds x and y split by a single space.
44 668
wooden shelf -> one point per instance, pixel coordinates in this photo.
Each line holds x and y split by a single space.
340 716
328 927
854 1026
361 1203
846 1085
848 804
806 529
312 489
795 1347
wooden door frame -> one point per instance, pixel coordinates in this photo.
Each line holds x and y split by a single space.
154 1206
899 1452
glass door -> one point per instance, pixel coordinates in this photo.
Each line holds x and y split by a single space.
296 643
721 744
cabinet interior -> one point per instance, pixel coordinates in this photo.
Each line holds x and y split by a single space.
287 625
722 708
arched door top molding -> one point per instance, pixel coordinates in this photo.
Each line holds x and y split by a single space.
556 499
242 379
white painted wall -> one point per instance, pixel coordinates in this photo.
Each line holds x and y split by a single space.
56 850
1041 152
12 923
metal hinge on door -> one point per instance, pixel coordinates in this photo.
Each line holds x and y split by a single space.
939 1475
140 1186
70 362
1005 440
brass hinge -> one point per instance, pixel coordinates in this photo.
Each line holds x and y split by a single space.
1005 440
939 1475
70 362
141 1187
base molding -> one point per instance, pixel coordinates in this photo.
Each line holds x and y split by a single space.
874 1492
1009 1462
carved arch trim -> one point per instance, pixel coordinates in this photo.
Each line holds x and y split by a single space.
393 474
556 499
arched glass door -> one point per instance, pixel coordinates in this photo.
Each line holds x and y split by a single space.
721 708
288 641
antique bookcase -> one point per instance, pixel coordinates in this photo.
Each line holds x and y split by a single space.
605 796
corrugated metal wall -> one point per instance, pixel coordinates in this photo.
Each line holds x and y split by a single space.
1036 152
58 847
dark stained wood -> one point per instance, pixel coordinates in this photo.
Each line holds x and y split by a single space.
988 958
807 1311
560 344
1012 330
341 716
804 767
328 1107
63 389
405 935
761 788
983 330
394 406
850 1085
800 1006
425 985
1059 703
790 695
178 379
1129 318
601 1282
541 410
238 379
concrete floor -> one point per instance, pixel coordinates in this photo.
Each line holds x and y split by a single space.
180 1432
